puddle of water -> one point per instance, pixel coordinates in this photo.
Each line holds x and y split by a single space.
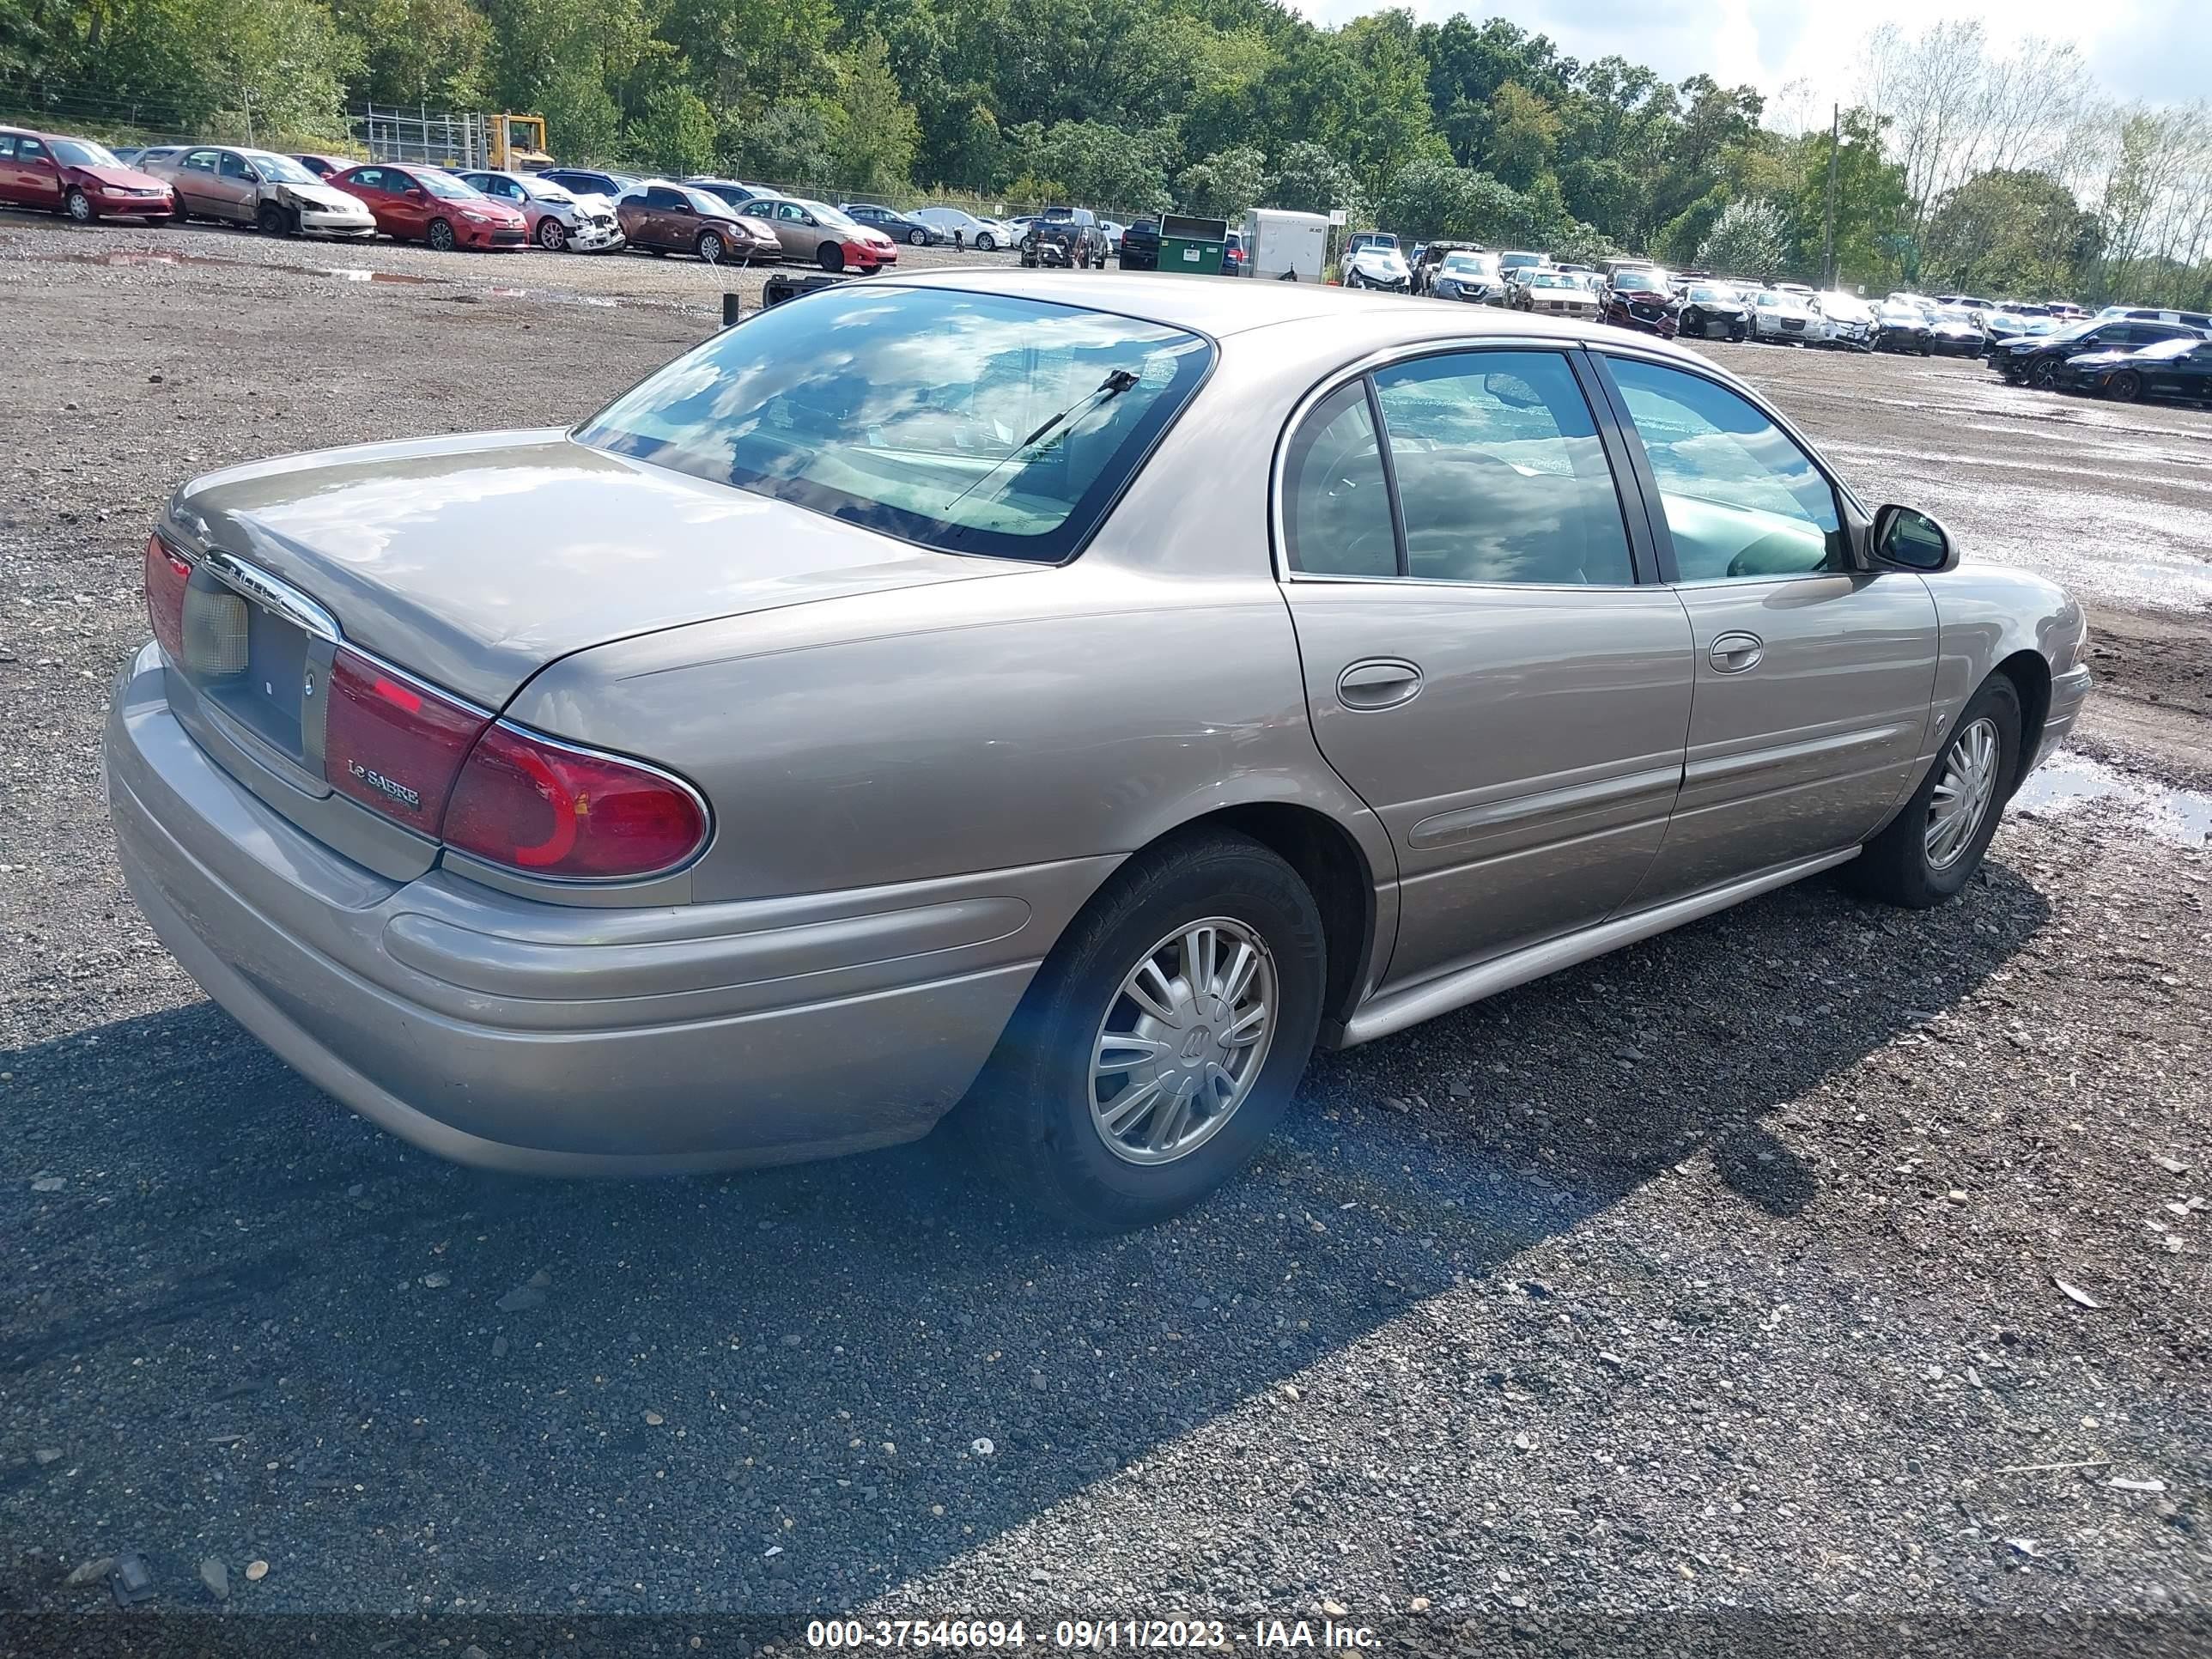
126 256
2067 781
361 273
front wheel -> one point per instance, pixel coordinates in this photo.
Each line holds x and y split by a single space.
2043 375
440 236
831 258
78 206
709 247
1937 839
272 220
917 239
1162 1041
987 243
2126 387
552 234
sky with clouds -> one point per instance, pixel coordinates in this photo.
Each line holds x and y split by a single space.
2159 50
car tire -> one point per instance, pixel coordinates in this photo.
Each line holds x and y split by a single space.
1037 1119
709 247
76 207
552 234
271 219
1909 864
2124 387
987 243
917 239
2043 374
439 235
831 258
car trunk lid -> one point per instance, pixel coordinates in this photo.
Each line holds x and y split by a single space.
473 561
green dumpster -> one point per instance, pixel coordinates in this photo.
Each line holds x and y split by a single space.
1193 246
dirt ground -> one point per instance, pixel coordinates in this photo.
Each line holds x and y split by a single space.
1726 1273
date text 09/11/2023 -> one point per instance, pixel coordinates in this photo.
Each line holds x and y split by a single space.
1093 1635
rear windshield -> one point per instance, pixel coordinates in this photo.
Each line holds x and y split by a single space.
972 422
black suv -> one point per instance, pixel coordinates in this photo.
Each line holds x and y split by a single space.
2034 360
1066 236
1141 246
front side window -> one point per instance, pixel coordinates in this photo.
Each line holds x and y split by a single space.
234 167
1501 474
971 422
30 149
665 200
1742 498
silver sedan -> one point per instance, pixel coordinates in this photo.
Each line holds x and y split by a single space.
1061 700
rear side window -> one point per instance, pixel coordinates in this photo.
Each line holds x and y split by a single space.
971 422
1501 474
7 147
1336 503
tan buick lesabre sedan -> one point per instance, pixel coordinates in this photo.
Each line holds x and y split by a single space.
1063 699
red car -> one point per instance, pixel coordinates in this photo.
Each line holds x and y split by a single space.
77 177
429 204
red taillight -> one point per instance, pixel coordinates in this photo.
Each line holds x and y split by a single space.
394 744
548 809
165 577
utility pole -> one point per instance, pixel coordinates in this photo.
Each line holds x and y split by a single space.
1829 219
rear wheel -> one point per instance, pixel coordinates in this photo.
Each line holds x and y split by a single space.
710 247
2126 387
78 206
831 258
552 234
440 236
1162 1040
1937 839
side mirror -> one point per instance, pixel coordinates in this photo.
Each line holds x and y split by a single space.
1906 538
416 193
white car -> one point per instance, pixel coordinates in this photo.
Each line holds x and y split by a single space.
559 218
1845 319
985 236
1782 317
1555 293
1376 264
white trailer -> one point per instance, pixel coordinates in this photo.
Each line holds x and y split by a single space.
1286 246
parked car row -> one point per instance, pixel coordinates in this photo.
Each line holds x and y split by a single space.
2135 355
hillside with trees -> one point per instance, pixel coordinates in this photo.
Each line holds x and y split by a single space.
1957 167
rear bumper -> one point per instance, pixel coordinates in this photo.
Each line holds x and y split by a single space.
568 1039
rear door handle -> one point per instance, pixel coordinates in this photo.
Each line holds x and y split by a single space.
1732 653
1378 683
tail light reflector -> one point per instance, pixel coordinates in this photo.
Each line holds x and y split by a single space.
167 576
394 744
545 808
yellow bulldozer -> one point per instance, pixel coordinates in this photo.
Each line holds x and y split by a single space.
518 143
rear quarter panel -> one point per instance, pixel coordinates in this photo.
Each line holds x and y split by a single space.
1068 713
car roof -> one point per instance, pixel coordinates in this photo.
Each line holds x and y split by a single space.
1227 307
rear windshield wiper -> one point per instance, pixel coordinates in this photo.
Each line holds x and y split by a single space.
1116 382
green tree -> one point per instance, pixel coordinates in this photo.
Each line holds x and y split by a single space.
788 145
874 131
425 51
2014 230
1099 166
1872 204
1524 131
1310 180
675 133
1224 183
1749 239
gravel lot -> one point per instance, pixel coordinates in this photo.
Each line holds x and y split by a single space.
1718 1274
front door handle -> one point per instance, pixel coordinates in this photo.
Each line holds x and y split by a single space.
1378 683
1732 653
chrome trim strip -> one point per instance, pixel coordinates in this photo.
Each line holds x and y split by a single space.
1393 1011
1469 822
270 593
1786 754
